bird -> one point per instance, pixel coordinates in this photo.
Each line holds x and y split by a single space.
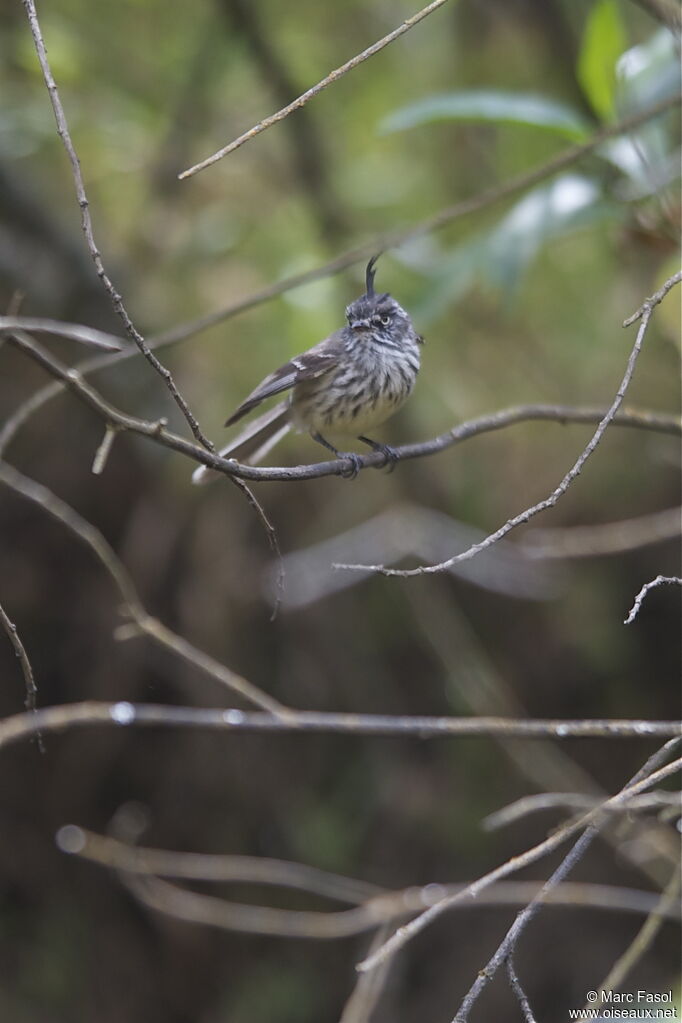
345 385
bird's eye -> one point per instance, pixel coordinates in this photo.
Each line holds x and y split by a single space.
385 320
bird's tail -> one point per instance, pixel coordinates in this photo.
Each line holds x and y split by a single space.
254 441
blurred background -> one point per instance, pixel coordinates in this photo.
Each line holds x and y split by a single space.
522 302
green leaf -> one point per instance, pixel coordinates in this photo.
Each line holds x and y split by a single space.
602 44
545 213
499 256
490 105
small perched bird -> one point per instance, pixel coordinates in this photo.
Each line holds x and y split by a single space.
345 385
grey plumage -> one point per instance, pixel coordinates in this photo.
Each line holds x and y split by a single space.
345 385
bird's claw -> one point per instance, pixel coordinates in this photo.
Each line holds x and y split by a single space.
390 454
353 468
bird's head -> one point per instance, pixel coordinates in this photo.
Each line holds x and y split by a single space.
378 314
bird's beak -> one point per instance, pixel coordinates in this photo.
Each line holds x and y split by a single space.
359 325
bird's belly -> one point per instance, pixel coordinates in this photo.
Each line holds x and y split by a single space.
347 407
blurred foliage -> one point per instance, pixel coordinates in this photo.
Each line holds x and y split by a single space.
521 302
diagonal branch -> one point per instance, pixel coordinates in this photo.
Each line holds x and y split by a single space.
508 945
86 224
73 331
20 651
315 90
138 619
531 855
644 313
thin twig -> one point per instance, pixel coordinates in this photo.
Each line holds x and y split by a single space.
521 995
670 899
658 581
284 720
271 535
409 931
365 995
572 800
358 254
104 450
604 538
133 610
73 331
508 945
26 668
644 313
86 224
301 100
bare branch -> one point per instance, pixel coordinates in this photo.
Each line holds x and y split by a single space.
26 668
644 313
86 224
301 100
409 931
573 800
375 907
286 719
506 949
158 431
73 331
368 986
658 581
104 450
670 899
605 538
521 996
133 610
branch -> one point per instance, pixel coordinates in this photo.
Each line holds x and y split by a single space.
139 622
572 800
670 898
409 931
488 197
658 581
86 224
301 100
20 651
157 430
506 949
285 719
644 313
73 331
375 907
521 996
604 538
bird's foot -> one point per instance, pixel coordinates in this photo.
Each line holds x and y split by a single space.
390 454
354 464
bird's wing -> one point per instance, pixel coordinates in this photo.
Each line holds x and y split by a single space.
313 363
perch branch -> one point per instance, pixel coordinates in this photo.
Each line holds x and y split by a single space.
157 430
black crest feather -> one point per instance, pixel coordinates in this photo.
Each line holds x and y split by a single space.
369 274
